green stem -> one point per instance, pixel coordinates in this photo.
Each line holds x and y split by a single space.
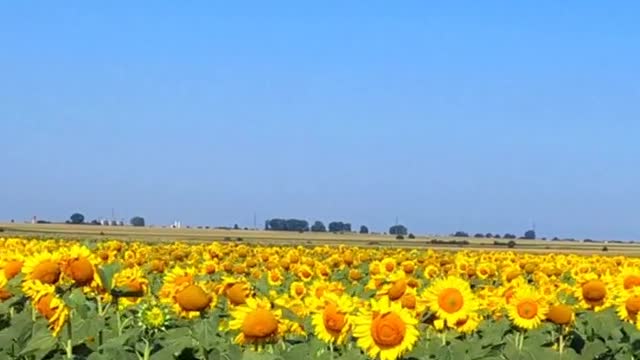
118 319
69 345
331 349
147 350
561 343
444 338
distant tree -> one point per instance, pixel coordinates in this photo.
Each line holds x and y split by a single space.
460 234
339 226
95 222
529 235
509 236
478 235
555 238
236 227
137 221
287 225
488 235
497 236
511 244
398 230
399 237
318 226
77 218
364 230
411 236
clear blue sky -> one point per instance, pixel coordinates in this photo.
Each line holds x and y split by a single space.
473 115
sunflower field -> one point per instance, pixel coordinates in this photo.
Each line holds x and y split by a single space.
133 300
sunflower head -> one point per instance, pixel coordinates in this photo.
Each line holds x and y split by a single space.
257 323
451 299
527 308
385 330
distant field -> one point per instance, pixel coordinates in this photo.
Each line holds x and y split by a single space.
156 234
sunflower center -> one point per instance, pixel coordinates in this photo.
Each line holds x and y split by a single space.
44 306
527 309
388 330
355 275
450 300
397 289
594 292
631 281
408 268
299 290
47 272
193 298
5 294
560 314
633 305
409 301
12 268
275 277
236 294
260 323
81 271
389 266
333 319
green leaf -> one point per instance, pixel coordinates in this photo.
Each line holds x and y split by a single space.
106 273
173 343
205 331
298 351
262 286
593 349
40 344
252 355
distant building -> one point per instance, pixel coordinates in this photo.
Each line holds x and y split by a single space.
104 222
176 225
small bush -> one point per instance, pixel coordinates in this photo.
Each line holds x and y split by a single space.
511 244
399 237
373 243
604 248
102 233
227 238
239 239
411 236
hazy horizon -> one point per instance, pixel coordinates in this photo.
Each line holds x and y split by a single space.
481 117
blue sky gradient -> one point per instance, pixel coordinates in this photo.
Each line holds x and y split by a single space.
467 115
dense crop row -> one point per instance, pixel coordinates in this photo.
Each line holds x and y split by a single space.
116 300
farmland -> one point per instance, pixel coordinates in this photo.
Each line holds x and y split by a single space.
84 295
260 237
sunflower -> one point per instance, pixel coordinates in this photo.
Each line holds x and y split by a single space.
43 267
451 299
297 290
385 330
45 301
275 278
333 322
628 305
388 265
236 290
4 293
12 268
527 308
629 277
257 323
79 265
561 314
304 273
594 292
132 281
